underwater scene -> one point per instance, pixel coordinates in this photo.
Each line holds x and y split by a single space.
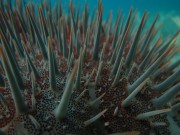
89 67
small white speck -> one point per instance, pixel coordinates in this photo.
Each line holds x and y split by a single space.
106 124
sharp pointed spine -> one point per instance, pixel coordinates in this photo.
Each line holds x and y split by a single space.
91 75
82 94
12 61
96 101
97 36
168 82
149 71
78 78
116 79
157 124
99 72
150 32
41 43
148 56
35 72
146 115
133 47
173 127
121 47
16 93
134 66
176 107
127 101
34 121
52 75
90 121
70 47
173 66
115 111
65 53
170 93
116 30
61 110
55 63
43 23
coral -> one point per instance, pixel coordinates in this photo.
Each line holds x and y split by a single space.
72 73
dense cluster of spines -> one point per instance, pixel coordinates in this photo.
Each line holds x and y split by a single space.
66 74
